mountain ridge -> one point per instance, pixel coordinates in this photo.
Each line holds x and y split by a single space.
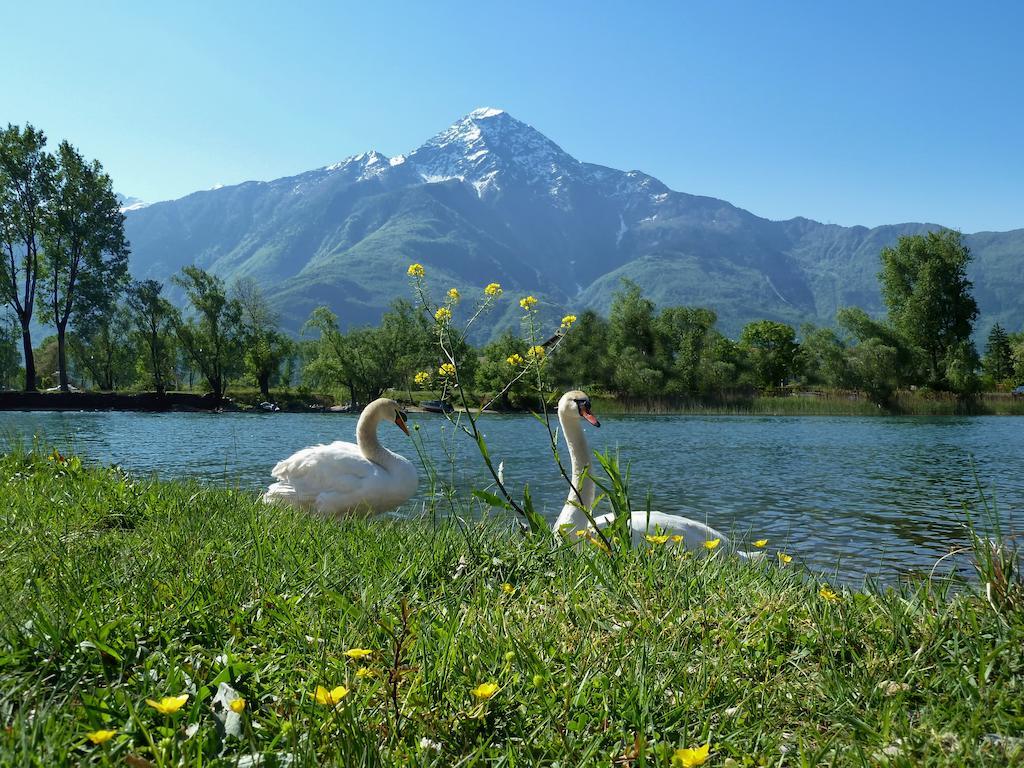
491 198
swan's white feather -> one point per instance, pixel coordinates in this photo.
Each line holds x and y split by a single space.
336 479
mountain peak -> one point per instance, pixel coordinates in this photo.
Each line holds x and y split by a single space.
482 113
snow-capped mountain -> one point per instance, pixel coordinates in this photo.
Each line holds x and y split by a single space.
491 198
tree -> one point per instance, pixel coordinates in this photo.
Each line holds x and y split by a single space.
823 357
998 362
85 251
10 360
1017 345
683 334
212 336
583 357
45 356
154 319
874 368
862 328
266 347
101 346
632 342
772 350
926 290
368 361
495 372
26 181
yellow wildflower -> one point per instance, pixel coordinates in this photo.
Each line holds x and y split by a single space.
599 544
358 653
237 705
330 698
760 543
828 595
493 289
784 558
507 588
443 315
364 672
515 359
423 377
688 758
535 353
581 534
446 369
415 270
168 705
484 691
712 544
453 295
656 539
678 538
568 320
101 736
528 302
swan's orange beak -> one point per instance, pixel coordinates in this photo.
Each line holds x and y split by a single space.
589 415
400 421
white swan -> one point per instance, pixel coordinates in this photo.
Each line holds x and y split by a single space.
345 478
572 522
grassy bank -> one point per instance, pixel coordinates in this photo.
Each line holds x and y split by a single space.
118 590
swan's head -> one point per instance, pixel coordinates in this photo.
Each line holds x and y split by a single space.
576 404
389 409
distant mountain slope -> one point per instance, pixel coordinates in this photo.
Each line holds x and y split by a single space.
492 199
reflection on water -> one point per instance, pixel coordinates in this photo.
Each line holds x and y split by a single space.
878 496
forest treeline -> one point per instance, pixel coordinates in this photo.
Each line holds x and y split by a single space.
65 264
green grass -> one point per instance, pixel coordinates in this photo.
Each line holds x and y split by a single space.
118 589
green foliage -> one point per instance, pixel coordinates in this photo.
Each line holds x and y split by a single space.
823 358
926 290
154 319
584 359
102 348
772 351
494 373
684 335
212 336
26 185
85 251
10 358
120 589
266 347
367 361
998 361
633 343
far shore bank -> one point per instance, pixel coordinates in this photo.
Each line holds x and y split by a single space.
797 403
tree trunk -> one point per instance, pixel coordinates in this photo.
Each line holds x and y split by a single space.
62 357
264 381
30 360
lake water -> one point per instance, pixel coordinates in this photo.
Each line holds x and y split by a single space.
866 497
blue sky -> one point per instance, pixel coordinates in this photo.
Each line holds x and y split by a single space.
853 113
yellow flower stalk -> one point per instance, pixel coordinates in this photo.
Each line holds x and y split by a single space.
507 588
330 698
168 705
484 691
568 320
453 295
689 758
678 538
415 270
443 315
528 303
237 706
358 653
364 672
515 359
712 544
535 353
828 595
784 558
101 736
446 369
493 289
656 539
421 378
760 543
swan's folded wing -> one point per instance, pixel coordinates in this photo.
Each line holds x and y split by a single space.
338 467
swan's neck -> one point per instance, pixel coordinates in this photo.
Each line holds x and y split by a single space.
579 456
366 437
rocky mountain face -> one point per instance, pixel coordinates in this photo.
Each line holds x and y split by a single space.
493 199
